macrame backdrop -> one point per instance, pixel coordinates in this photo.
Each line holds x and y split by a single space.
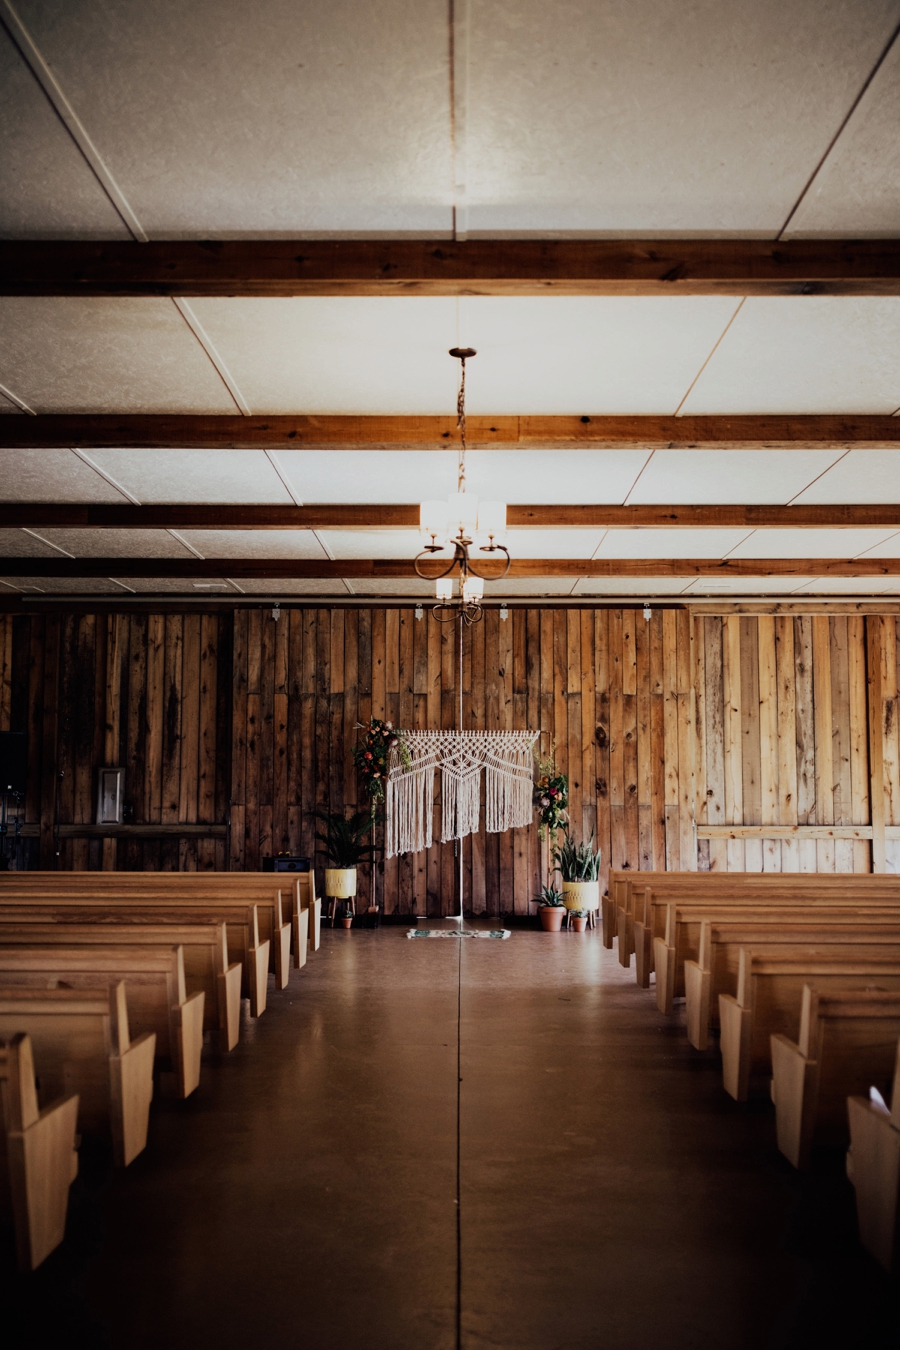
506 759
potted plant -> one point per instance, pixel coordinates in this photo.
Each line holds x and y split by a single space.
579 867
345 851
347 917
578 918
550 908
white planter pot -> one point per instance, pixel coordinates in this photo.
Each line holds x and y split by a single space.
340 882
581 894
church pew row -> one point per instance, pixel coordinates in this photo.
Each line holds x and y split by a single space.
158 1001
768 1004
873 1166
204 949
301 907
82 1041
684 924
715 971
847 1041
242 928
41 1161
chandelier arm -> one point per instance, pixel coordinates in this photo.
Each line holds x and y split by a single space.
432 576
498 548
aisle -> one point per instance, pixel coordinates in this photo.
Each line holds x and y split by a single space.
610 1194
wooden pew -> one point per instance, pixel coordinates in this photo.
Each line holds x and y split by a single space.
158 1001
847 1040
683 923
40 1154
81 1040
873 1166
204 946
297 891
768 1002
241 921
715 971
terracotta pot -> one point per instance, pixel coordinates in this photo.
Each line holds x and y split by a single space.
551 917
581 894
578 922
340 882
345 923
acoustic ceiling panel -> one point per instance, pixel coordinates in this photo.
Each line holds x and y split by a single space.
714 477
254 543
94 354
713 586
669 543
661 117
600 586
116 543
813 543
51 476
809 354
223 119
194 475
858 476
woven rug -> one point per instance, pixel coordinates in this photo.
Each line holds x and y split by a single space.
453 933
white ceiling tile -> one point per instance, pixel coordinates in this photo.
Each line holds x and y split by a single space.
553 587
23 544
854 586
223 120
576 122
51 476
116 543
630 586
337 354
888 548
687 543
7 407
805 354
49 191
587 354
96 354
294 586
67 585
255 543
856 193
374 544
181 585
861 476
723 477
744 585
194 475
411 476
391 586
528 542
809 543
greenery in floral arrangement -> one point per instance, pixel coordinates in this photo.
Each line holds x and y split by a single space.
577 913
577 862
551 795
549 898
343 835
372 753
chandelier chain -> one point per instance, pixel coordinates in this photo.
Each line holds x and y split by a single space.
461 423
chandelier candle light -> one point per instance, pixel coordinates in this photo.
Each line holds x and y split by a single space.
460 523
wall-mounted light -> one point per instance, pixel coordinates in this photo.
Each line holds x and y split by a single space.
504 613
647 612
276 612
420 613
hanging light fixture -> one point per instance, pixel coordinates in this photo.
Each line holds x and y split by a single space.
461 522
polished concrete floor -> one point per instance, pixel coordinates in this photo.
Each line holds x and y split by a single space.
425 1145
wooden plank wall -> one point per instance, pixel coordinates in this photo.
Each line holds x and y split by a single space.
138 691
741 722
612 691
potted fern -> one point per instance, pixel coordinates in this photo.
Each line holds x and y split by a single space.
579 868
344 850
550 908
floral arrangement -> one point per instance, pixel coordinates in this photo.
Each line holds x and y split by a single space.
551 795
370 755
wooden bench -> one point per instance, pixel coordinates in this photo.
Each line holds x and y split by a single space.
847 1041
204 947
40 1154
768 1003
81 1041
715 971
158 1001
684 923
241 920
873 1166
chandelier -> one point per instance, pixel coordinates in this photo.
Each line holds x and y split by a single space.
461 522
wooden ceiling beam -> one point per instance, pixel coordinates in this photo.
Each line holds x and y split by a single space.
384 568
294 432
282 267
366 516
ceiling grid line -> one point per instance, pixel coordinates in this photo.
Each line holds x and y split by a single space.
459 82
16 401
107 478
818 477
215 356
31 54
715 348
834 140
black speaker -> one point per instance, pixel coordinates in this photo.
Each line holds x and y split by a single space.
284 863
13 762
